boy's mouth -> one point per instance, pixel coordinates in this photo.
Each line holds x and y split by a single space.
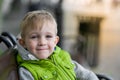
41 49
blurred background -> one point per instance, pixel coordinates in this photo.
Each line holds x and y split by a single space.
89 29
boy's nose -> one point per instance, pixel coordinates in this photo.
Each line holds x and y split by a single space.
42 41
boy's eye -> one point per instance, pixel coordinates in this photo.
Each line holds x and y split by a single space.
33 37
49 36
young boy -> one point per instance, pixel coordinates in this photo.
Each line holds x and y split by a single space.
39 56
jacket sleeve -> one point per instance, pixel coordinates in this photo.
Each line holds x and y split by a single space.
24 74
82 73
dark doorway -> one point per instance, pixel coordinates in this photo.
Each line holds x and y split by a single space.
88 41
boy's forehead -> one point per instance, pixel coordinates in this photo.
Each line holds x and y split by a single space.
42 26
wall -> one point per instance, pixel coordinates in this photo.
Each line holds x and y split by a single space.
109 49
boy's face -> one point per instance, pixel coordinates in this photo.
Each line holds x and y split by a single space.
41 42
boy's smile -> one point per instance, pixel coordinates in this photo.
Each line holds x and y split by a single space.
40 50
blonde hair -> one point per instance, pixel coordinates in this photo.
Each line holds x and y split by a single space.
32 19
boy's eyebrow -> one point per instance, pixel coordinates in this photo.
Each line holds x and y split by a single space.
49 33
32 33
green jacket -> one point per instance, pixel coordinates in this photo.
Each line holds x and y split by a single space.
57 67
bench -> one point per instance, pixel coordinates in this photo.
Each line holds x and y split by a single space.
8 64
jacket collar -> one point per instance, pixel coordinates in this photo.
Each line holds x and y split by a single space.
25 54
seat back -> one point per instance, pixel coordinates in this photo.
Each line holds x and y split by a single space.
8 64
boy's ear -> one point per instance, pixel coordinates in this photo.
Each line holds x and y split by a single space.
57 39
21 41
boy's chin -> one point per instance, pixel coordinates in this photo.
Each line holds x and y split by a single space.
44 56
